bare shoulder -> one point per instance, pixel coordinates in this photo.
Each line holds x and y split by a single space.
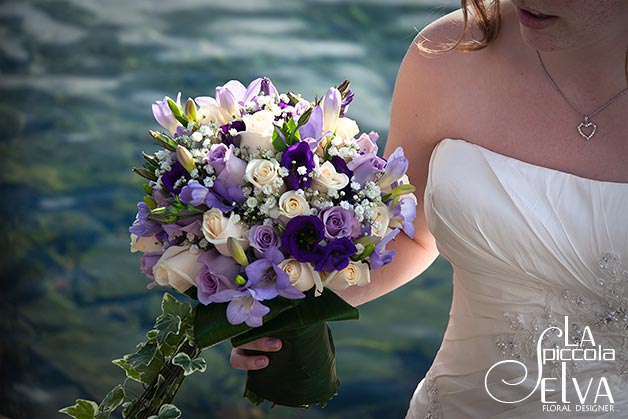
427 82
441 86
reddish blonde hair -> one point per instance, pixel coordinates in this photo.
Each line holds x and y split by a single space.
488 19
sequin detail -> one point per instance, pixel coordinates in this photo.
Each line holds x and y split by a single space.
431 391
605 312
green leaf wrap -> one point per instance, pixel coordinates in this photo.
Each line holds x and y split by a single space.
302 373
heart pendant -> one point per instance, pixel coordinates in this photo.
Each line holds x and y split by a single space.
586 125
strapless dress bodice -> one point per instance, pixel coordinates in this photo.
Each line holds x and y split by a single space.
534 251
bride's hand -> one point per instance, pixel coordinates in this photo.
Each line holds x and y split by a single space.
243 360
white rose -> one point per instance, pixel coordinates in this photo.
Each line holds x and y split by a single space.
357 273
302 275
326 178
144 244
259 131
292 204
383 218
177 267
261 172
347 128
217 229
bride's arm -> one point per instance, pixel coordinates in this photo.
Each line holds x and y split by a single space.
415 118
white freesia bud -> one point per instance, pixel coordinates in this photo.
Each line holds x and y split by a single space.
380 220
261 172
357 273
292 204
177 268
144 244
326 177
217 229
259 131
302 275
185 158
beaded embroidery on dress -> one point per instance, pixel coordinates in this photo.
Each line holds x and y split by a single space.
540 262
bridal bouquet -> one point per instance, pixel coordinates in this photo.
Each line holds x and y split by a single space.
259 205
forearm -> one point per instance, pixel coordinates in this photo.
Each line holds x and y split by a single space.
410 261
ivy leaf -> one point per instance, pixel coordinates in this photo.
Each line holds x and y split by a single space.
110 403
171 305
167 411
143 356
130 372
166 324
189 366
82 409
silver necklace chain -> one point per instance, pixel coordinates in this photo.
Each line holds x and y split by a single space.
586 128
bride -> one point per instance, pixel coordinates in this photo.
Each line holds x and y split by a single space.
518 137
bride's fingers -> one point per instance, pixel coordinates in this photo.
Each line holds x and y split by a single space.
243 360
240 360
263 344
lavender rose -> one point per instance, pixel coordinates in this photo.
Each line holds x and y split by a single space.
215 281
262 238
339 222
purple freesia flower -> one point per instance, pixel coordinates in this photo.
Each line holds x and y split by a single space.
368 142
233 92
163 115
223 197
302 236
314 126
263 237
344 105
266 88
380 255
296 156
396 167
335 256
367 167
331 109
170 178
266 280
339 222
143 226
191 225
246 309
233 171
193 193
405 213
215 281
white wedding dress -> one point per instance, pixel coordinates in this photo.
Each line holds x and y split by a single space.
528 245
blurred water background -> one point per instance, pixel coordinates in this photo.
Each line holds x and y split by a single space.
77 78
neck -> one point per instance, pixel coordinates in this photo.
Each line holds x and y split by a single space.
593 72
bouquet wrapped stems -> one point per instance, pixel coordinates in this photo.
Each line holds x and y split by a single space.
301 374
